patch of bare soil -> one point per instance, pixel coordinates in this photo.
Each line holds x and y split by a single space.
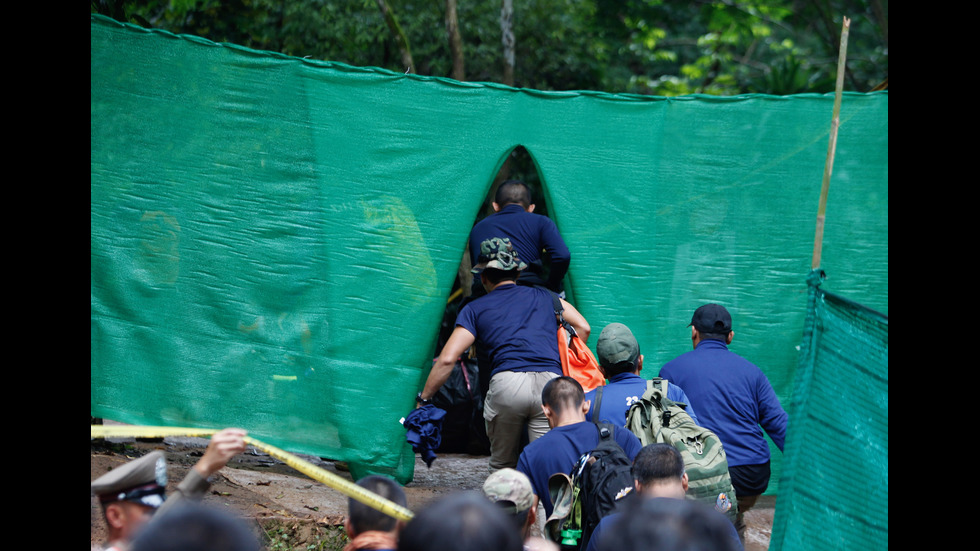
289 510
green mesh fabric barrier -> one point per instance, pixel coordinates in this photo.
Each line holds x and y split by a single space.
834 485
273 239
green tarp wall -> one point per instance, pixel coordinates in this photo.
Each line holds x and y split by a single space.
273 239
834 484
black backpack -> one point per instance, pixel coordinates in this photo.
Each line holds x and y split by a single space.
600 478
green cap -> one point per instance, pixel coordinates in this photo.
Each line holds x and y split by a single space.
497 252
512 486
616 344
142 481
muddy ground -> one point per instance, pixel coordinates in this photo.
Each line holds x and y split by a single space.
287 507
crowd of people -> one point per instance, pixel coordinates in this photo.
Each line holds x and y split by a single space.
501 517
539 422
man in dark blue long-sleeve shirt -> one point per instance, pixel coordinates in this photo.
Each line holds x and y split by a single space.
530 234
734 400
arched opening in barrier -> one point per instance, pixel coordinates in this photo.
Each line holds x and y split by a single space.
518 164
463 394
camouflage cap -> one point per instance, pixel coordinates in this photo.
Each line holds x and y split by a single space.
562 492
616 344
497 252
510 485
142 481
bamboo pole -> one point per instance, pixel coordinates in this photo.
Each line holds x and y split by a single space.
829 166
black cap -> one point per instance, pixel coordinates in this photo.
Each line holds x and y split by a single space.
712 318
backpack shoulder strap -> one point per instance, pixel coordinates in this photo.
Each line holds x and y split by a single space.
652 386
609 443
556 305
666 386
606 431
555 301
595 406
657 384
656 394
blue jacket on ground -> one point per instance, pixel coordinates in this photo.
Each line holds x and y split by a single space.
559 450
622 391
734 399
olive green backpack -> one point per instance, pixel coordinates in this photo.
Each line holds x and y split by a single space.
656 419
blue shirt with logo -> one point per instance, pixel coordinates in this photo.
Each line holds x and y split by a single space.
622 391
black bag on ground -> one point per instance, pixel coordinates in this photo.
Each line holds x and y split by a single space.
461 397
463 429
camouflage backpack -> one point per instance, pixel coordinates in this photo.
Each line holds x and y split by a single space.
656 419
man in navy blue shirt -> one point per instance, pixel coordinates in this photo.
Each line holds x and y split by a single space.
516 325
658 473
529 233
563 402
734 400
620 361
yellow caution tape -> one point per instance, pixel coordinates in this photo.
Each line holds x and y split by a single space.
328 478
455 294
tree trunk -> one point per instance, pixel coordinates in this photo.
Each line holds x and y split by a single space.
455 41
881 14
399 36
507 31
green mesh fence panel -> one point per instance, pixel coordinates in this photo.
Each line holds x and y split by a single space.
274 239
834 485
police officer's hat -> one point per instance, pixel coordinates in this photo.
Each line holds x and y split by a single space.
142 481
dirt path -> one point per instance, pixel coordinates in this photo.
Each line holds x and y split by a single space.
282 501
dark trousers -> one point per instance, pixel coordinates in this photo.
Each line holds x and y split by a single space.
750 482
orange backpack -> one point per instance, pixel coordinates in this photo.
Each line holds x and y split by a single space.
577 361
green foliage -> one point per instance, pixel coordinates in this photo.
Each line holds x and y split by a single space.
790 75
719 47
306 536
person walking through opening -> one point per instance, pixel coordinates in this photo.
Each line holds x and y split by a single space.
517 326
